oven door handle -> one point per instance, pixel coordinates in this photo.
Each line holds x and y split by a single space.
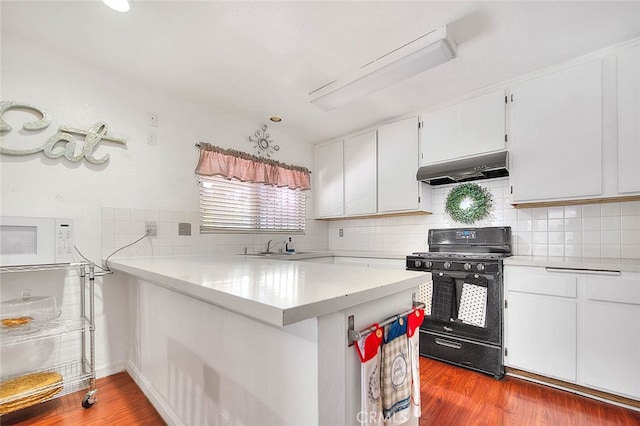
448 343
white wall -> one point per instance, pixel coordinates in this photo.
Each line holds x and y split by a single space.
203 365
138 178
610 230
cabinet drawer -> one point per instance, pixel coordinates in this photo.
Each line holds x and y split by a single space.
479 357
548 283
614 290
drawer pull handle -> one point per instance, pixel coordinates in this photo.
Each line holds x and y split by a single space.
448 344
447 328
585 271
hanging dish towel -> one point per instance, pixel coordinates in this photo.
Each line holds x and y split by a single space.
473 301
425 295
444 297
414 321
368 348
396 373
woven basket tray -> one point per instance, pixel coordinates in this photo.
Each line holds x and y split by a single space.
35 387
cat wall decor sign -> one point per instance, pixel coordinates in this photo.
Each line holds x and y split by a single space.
61 144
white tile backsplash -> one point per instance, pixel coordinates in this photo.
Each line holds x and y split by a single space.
120 227
589 230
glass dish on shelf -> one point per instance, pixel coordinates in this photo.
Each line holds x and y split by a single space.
28 310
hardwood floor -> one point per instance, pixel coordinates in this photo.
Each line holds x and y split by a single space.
120 402
456 396
450 396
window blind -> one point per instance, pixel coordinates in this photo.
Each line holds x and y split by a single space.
230 205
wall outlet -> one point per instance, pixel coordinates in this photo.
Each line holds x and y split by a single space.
184 228
340 232
152 119
151 229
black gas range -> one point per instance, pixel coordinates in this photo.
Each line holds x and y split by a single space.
463 322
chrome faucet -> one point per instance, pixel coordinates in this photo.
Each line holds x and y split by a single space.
268 246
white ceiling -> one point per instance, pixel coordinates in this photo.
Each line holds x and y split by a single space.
261 58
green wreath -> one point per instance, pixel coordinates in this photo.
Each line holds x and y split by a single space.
468 203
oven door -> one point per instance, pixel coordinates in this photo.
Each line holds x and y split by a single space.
466 305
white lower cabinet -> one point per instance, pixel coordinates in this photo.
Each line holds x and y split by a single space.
542 324
580 327
610 334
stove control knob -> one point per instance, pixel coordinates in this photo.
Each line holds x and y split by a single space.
467 266
428 264
447 265
480 266
417 263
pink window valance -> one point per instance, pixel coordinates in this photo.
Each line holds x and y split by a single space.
216 161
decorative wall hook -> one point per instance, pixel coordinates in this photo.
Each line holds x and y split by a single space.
262 144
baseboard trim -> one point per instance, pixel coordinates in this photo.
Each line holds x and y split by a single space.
110 369
610 398
167 414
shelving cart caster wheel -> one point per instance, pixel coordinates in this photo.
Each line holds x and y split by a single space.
88 400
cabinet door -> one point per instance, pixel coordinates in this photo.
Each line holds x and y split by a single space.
610 334
541 334
472 127
360 174
397 166
482 123
329 180
440 135
611 347
629 121
557 135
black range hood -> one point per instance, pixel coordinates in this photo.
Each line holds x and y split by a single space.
485 166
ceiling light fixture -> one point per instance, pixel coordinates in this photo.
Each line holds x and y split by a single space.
118 5
427 51
275 119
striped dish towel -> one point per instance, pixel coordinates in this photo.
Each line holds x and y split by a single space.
368 348
396 373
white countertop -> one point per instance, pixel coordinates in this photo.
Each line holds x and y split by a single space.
269 290
590 263
333 253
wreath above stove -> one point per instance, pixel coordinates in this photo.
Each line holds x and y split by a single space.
468 203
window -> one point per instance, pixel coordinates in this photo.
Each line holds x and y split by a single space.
233 205
241 192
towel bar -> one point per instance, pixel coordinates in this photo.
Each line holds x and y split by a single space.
353 335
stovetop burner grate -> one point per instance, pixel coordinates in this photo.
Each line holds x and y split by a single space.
456 255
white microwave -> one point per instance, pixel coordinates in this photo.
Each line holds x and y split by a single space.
35 241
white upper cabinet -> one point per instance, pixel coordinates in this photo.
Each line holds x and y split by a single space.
377 171
360 171
556 149
629 121
328 178
398 188
472 127
482 123
440 135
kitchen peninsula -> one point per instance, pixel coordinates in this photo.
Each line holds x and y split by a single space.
249 340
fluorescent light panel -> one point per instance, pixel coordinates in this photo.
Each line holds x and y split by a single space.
428 51
118 5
